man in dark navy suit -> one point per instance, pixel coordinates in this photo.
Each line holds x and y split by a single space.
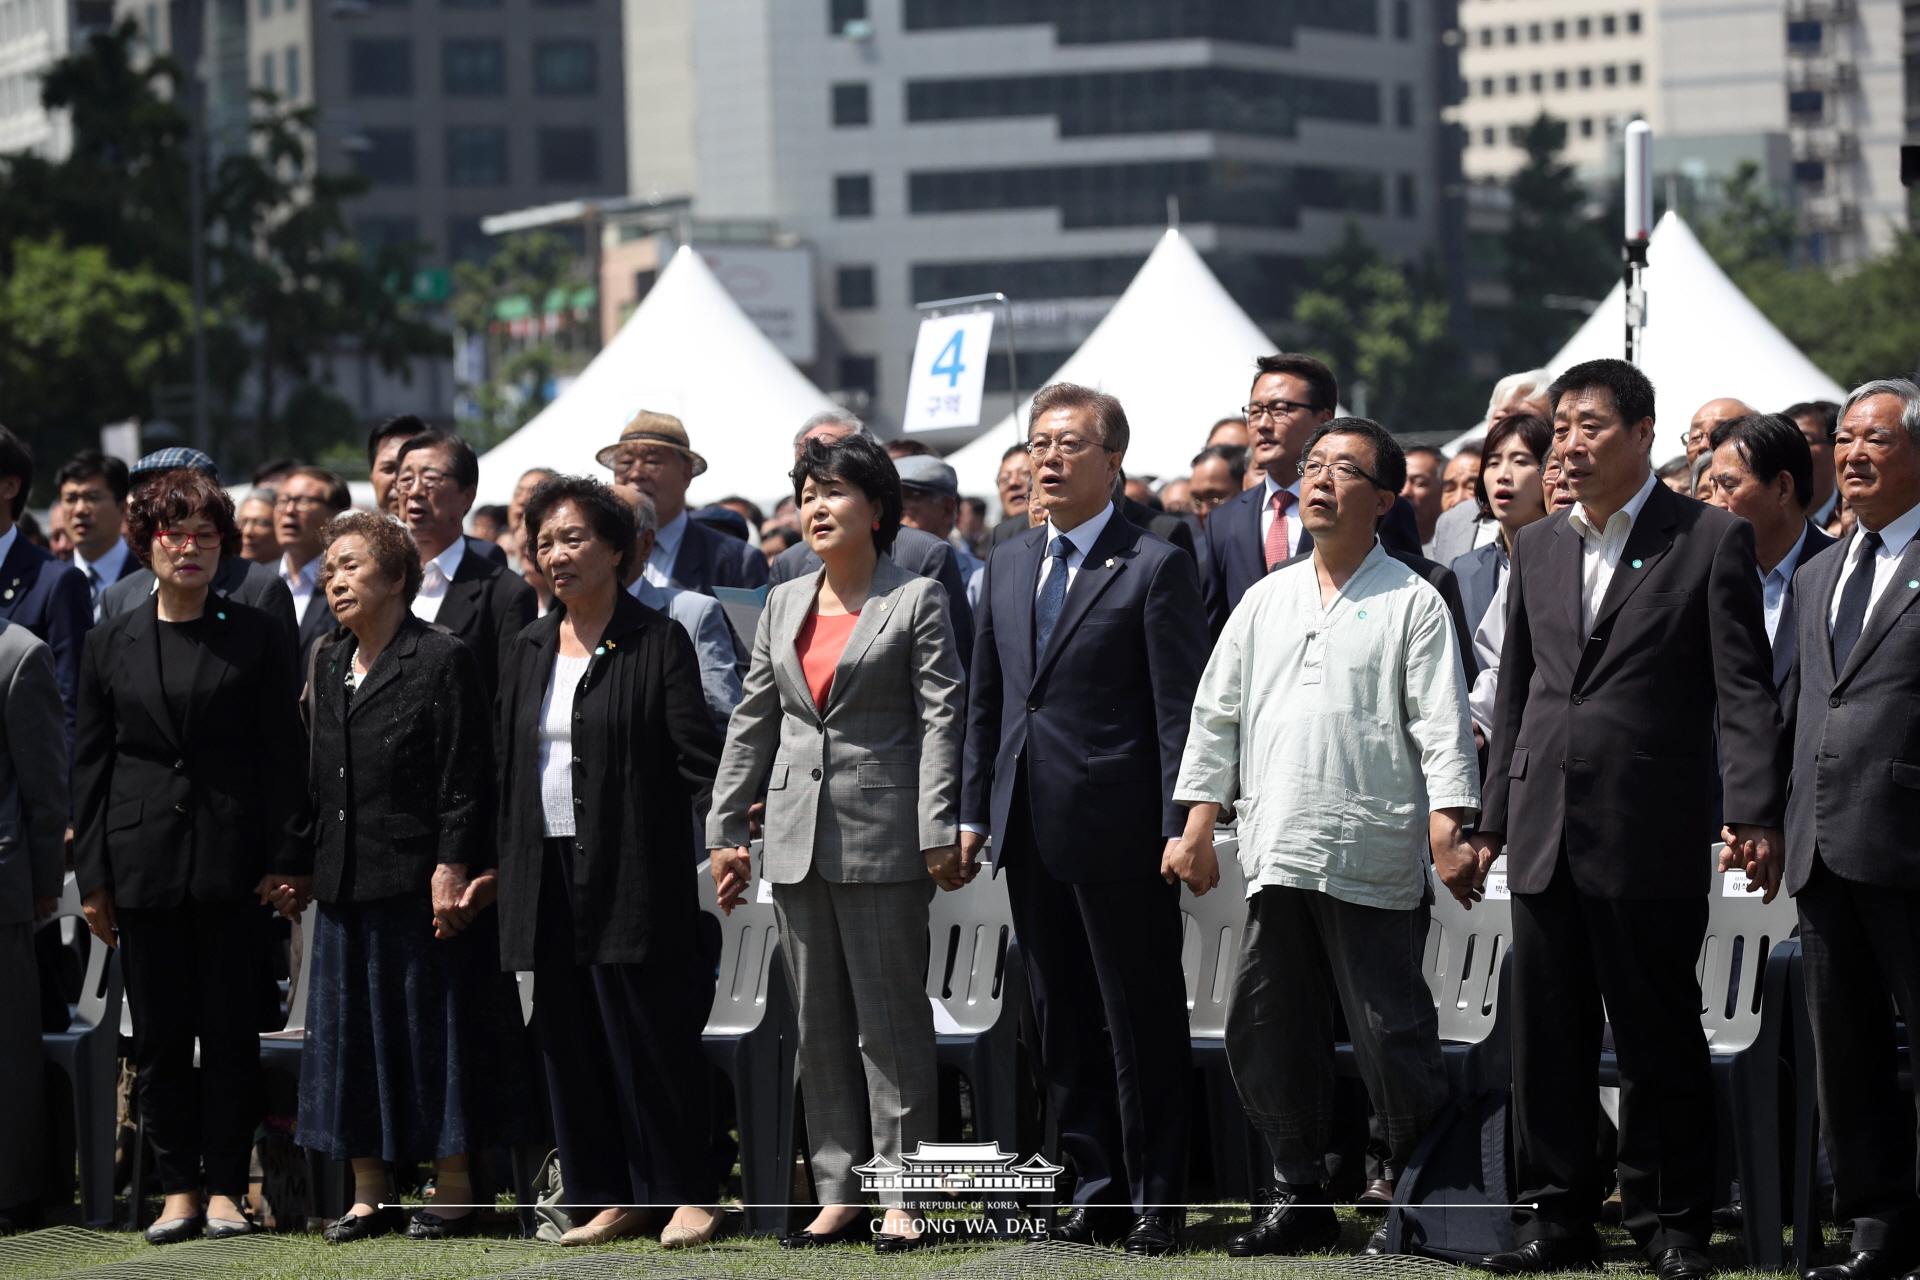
1248 535
1089 641
654 455
47 597
90 490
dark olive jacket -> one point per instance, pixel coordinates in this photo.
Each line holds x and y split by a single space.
644 754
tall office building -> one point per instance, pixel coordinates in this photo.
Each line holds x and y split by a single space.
934 148
35 34
1811 91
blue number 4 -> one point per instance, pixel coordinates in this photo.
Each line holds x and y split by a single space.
948 361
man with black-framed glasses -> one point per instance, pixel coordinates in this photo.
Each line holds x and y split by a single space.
1249 534
307 498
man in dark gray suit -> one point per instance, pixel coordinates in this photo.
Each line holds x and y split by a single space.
33 823
258 585
1852 702
306 499
919 553
1762 471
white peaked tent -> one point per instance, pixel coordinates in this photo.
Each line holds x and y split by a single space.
1703 340
1176 350
687 350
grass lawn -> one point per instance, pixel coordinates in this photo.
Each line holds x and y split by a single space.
73 1252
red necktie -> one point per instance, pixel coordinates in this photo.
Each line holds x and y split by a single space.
1277 531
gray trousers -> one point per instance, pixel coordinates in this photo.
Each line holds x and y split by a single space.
1280 1028
23 1120
856 956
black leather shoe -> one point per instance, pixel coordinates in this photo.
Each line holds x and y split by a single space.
1536 1256
1282 1226
1091 1225
362 1226
176 1230
890 1244
1682 1264
1156 1234
1867 1264
428 1225
858 1231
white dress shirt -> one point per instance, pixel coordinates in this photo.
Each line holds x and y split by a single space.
1294 526
666 549
1082 536
1600 549
1893 544
1777 581
436 578
1335 731
302 583
105 571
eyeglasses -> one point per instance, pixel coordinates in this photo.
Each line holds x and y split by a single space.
1313 469
1272 410
181 539
425 481
1065 446
301 501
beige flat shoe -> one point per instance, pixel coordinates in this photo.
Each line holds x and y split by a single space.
624 1225
677 1236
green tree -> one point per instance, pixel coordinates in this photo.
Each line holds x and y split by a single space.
1751 230
1554 252
1388 327
526 271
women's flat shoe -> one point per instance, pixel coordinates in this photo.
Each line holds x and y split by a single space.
855 1232
228 1228
363 1226
428 1225
624 1225
884 1243
175 1230
674 1237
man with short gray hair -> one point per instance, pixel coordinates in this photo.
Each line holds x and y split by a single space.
1853 866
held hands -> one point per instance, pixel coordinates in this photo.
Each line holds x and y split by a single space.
1758 852
946 868
1460 862
732 874
98 909
475 898
452 907
972 846
287 895
1189 858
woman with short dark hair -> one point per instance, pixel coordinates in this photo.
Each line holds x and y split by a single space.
413 1032
851 717
606 748
1513 492
189 814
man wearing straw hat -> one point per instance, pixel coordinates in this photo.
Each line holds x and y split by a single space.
653 456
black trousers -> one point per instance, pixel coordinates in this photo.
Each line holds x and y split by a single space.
193 973
625 1071
1861 945
1571 952
1110 1005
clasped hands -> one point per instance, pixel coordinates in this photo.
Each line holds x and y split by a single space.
1756 851
457 900
951 866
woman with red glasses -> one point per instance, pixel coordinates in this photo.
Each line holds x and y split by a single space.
190 815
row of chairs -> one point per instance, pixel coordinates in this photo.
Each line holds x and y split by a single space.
1753 1016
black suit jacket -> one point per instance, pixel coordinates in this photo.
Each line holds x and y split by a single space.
1100 719
402 771
1855 797
165 812
708 558
1786 644
52 600
486 606
318 625
257 585
1604 745
919 553
644 754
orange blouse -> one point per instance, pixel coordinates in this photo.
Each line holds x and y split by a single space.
821 642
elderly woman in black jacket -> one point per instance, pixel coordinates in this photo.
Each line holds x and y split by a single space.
412 1029
606 747
188 815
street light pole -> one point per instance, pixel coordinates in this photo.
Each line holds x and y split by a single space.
196 216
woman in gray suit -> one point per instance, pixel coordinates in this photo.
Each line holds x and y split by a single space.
852 716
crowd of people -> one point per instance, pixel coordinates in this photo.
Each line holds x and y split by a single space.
475 743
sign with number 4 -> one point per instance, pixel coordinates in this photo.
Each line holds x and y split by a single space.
949 372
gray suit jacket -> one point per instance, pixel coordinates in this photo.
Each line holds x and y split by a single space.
33 774
1453 535
859 791
1855 794
914 550
706 625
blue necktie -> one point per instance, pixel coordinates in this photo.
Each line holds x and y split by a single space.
1852 614
1053 595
